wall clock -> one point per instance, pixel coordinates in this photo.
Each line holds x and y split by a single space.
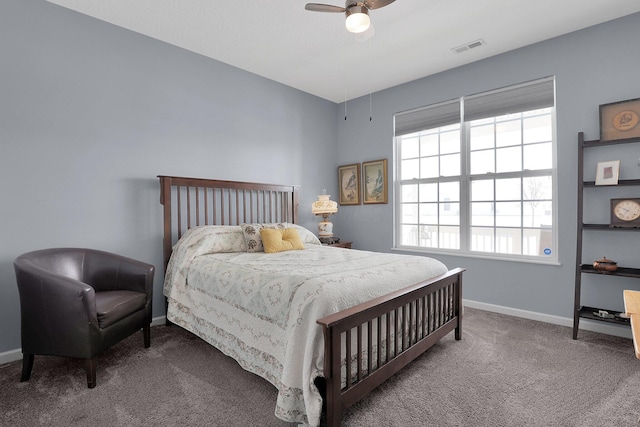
625 213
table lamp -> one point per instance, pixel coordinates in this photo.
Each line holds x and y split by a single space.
324 207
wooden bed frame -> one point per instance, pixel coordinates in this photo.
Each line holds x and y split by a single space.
408 321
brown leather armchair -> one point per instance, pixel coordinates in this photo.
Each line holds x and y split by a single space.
78 302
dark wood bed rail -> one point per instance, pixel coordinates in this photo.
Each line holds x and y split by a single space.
414 319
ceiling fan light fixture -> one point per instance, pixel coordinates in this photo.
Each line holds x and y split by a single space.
358 19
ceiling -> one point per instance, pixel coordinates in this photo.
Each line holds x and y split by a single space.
312 52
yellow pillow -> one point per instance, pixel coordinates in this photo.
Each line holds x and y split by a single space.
280 240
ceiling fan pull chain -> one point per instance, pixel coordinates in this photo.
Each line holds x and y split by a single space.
370 43
344 52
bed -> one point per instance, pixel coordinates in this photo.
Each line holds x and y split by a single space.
324 325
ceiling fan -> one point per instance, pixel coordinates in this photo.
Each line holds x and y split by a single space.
357 12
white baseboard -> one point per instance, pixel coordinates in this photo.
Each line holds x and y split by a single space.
156 321
13 355
10 356
585 324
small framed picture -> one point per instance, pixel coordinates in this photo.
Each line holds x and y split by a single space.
620 120
374 175
349 184
607 172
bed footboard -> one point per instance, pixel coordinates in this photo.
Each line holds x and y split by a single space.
367 344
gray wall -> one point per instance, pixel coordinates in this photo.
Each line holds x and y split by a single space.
594 66
90 114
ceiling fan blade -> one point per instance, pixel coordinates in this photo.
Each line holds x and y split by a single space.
317 7
377 4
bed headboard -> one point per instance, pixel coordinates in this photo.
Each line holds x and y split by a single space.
190 202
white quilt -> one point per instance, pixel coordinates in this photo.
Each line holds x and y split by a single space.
261 309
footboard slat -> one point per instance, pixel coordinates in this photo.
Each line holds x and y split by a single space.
407 323
359 353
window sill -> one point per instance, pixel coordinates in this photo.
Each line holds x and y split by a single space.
434 252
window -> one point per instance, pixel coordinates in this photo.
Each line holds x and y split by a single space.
476 175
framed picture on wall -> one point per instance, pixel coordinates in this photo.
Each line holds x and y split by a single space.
607 172
620 120
374 175
349 184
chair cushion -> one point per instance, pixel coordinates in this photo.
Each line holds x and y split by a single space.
112 306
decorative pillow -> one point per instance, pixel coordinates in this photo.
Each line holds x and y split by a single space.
280 240
252 237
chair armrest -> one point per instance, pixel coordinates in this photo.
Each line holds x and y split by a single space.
108 272
52 301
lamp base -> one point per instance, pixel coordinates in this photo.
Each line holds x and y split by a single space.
325 229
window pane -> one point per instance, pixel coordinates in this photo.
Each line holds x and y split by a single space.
482 239
537 214
429 145
482 162
449 238
429 192
508 189
409 235
537 129
509 159
538 156
429 236
482 214
450 165
508 241
409 193
482 190
450 142
508 133
538 242
450 213
508 214
429 213
449 191
409 169
410 213
481 137
409 148
537 188
429 167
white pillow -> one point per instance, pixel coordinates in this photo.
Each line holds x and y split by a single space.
209 239
307 237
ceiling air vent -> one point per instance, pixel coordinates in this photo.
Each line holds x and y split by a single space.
469 46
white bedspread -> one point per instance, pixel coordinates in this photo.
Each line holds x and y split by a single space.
261 309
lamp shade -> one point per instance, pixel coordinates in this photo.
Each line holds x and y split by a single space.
357 19
324 205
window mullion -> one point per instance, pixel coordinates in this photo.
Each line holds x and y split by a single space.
465 188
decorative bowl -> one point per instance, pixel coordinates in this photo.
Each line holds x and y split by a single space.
605 264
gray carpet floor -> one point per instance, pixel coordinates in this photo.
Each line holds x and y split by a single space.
505 371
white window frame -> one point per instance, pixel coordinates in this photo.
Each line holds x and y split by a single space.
411 121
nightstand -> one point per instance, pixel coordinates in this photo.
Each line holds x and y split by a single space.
346 245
